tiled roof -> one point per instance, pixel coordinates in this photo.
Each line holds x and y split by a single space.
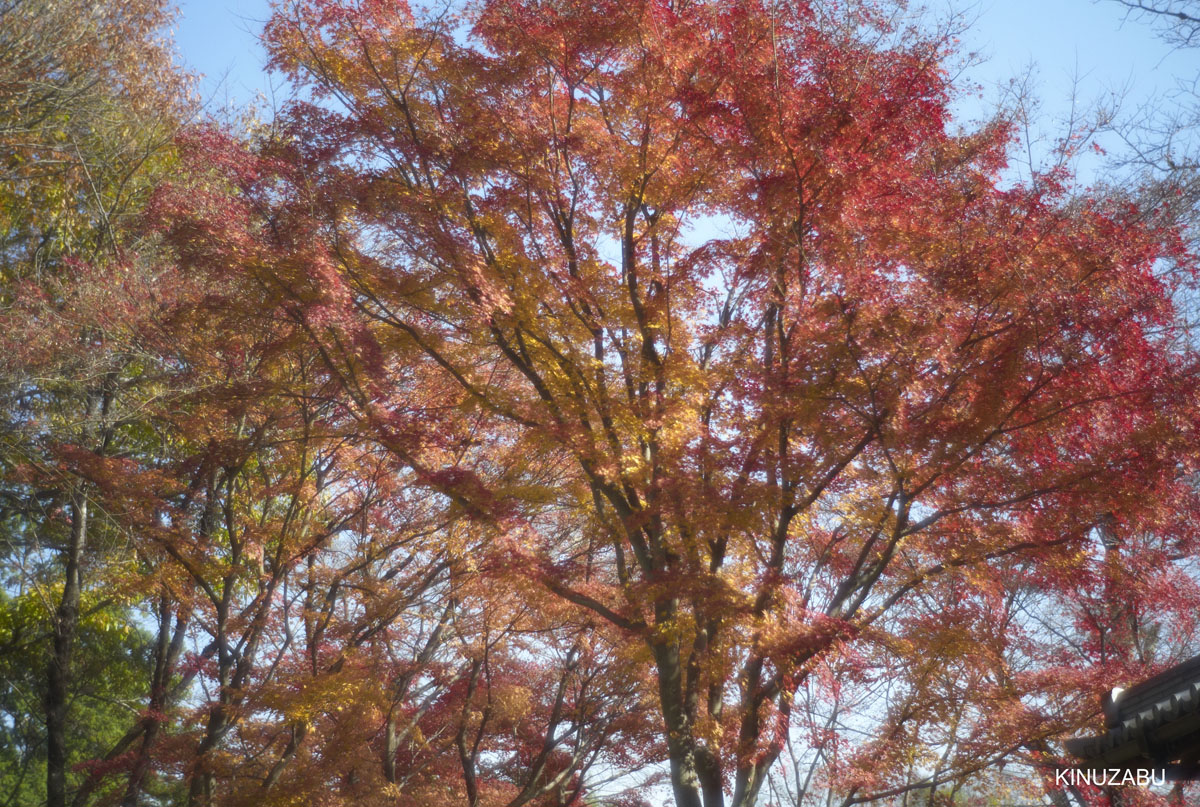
1157 721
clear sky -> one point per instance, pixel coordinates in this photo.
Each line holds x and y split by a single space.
1065 37
1062 39
219 39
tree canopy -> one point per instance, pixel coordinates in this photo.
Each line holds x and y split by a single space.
565 403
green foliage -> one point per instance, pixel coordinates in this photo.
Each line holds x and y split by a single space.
89 104
111 666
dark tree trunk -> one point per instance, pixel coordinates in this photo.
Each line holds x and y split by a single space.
58 676
166 653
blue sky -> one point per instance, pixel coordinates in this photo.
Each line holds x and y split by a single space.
1062 39
219 39
1091 37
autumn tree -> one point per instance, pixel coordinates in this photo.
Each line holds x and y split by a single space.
1157 159
325 624
89 100
556 393
817 387
219 587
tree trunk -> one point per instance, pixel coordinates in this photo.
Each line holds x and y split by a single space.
685 774
59 670
166 653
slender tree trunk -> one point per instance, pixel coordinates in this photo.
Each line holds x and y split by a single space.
1119 641
165 655
200 785
391 744
59 670
299 732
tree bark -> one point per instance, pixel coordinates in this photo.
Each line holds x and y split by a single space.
166 653
681 751
59 670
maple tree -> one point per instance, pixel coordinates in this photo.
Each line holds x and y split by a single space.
561 401
896 391
347 643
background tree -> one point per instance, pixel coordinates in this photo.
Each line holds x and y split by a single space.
1178 19
88 102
